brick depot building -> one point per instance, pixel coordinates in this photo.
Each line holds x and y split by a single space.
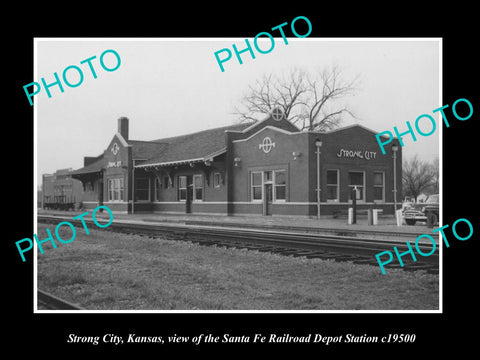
265 168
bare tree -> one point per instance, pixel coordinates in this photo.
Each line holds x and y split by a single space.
434 187
271 91
310 102
417 176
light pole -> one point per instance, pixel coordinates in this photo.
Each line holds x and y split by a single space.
133 186
318 144
394 150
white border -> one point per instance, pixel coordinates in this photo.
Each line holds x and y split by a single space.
35 142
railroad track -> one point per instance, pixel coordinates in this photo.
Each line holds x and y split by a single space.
49 301
310 245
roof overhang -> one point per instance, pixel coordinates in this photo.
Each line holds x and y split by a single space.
88 175
204 159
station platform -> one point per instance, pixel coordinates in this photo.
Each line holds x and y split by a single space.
385 229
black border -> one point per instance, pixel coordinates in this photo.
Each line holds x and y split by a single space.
45 333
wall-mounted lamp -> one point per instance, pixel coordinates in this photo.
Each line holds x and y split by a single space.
296 154
236 161
208 162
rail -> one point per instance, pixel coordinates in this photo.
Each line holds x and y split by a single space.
53 302
296 243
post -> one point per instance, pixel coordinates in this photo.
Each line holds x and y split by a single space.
133 186
370 216
394 150
354 204
318 144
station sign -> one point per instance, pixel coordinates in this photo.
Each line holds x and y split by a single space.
360 154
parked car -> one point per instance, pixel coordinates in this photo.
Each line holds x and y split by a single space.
427 211
407 203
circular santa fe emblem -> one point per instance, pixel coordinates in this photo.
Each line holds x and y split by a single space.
277 114
267 145
115 149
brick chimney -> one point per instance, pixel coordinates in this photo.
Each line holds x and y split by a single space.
123 127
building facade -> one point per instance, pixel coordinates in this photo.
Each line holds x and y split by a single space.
266 168
60 191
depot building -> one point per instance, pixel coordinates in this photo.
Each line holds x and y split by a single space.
266 168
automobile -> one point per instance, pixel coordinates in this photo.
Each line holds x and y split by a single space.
426 211
407 203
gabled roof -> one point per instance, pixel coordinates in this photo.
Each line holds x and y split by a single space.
142 150
194 147
282 123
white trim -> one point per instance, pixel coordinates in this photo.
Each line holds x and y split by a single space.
245 202
170 162
122 140
274 187
179 189
111 178
337 199
286 132
196 202
254 186
256 123
207 157
235 202
216 153
168 202
377 186
310 203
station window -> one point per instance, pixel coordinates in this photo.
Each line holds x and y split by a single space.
333 185
182 188
142 189
277 177
357 178
197 187
257 185
280 185
115 189
379 186
217 180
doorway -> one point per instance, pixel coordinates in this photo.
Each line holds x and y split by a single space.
268 193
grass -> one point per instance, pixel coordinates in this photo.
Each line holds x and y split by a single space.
106 270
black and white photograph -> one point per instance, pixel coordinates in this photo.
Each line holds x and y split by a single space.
247 185
262 187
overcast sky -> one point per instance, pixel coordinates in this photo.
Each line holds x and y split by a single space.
169 87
